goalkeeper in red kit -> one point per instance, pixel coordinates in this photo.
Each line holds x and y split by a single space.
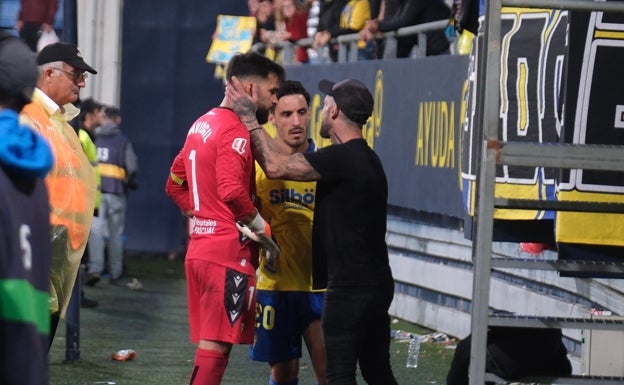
211 180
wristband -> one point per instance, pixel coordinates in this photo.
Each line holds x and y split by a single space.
254 129
257 224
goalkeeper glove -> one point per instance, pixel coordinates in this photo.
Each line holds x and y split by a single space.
260 231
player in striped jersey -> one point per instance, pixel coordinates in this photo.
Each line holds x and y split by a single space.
288 308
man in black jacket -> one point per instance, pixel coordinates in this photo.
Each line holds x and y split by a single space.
404 13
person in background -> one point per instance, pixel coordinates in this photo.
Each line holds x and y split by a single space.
90 117
352 19
211 181
253 5
265 24
312 24
349 248
118 168
114 114
71 183
25 248
288 308
404 13
292 25
34 17
328 19
378 9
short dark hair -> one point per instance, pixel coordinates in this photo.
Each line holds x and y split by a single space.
112 112
253 64
88 106
292 87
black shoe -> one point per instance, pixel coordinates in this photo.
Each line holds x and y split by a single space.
92 279
88 303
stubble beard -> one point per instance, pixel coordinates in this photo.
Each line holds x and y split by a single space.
262 115
324 129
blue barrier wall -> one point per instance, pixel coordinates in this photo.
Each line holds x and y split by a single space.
415 127
166 85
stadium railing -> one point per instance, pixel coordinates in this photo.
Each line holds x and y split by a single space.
348 52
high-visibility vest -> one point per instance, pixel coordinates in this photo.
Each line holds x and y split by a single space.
91 151
71 186
71 183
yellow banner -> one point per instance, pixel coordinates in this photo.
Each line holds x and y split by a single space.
234 34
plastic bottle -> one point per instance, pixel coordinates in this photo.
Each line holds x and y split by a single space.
124 355
412 352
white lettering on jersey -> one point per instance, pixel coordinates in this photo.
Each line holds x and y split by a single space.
201 128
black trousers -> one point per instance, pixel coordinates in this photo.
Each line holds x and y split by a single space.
30 34
356 328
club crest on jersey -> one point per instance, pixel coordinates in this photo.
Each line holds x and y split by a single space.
239 145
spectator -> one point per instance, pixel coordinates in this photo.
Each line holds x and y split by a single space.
118 167
89 118
352 17
378 7
350 254
265 25
328 17
295 26
34 17
253 7
71 183
313 20
288 307
25 249
404 13
211 180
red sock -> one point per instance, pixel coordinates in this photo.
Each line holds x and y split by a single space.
209 367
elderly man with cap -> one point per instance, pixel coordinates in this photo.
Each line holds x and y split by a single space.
25 249
348 234
71 183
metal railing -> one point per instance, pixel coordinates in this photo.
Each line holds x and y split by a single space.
489 158
348 50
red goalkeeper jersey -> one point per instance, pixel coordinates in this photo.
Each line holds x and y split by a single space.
213 176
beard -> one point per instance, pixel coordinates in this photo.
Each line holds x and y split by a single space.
262 115
324 129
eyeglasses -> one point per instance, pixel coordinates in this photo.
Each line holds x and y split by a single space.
77 77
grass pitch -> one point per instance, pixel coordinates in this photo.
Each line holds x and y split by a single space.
153 322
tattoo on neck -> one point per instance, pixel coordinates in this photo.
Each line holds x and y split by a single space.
245 110
249 122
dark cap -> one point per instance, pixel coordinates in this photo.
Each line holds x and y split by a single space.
352 97
18 68
64 52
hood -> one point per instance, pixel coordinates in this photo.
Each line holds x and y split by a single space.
21 148
107 128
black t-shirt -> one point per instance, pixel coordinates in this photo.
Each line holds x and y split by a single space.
349 231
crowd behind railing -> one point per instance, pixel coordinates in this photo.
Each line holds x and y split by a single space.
323 31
